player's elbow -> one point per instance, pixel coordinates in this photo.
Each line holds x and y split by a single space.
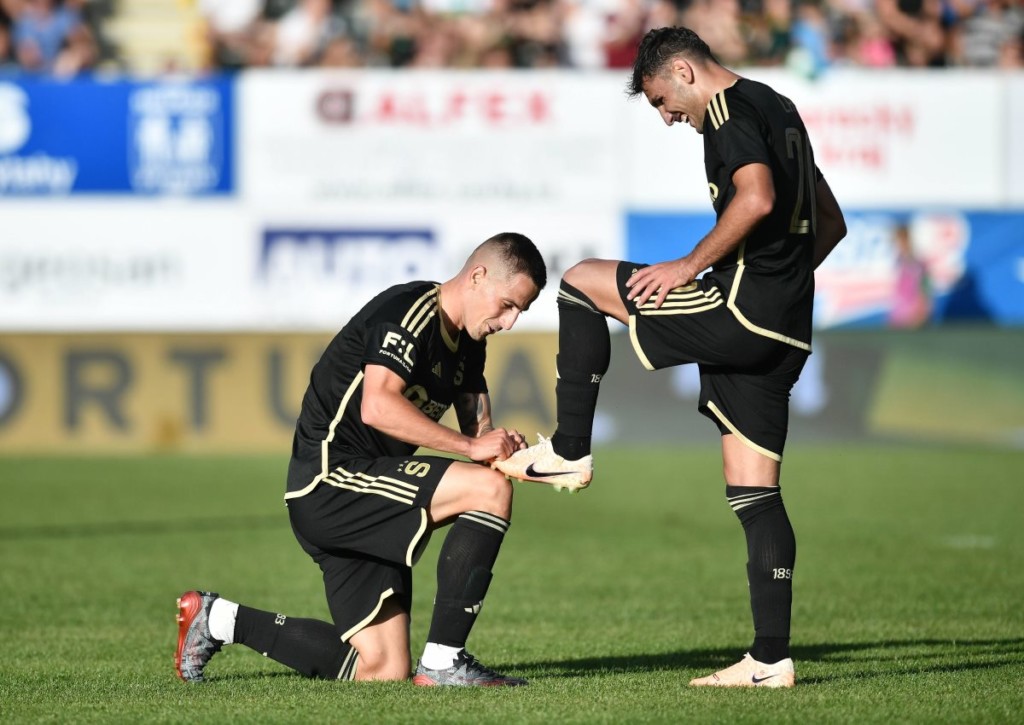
759 206
372 412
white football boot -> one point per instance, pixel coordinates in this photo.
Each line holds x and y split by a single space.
540 463
748 672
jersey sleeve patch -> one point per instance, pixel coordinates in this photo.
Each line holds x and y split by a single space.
392 346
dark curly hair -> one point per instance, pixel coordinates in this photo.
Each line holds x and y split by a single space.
661 45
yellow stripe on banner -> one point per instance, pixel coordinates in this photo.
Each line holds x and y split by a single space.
355 630
735 431
636 344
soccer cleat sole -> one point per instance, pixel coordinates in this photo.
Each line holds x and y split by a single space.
424 681
187 611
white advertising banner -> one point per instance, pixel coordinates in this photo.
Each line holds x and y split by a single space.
428 137
882 140
81 265
316 269
1014 157
177 266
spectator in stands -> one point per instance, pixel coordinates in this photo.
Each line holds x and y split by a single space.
919 39
341 52
718 22
7 64
41 30
303 32
870 45
768 32
988 36
232 31
811 53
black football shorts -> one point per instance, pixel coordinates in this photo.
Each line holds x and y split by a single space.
365 525
745 378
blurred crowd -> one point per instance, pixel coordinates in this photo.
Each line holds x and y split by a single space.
64 37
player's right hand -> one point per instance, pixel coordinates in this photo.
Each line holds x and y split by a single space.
494 445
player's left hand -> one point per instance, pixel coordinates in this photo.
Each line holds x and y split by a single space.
657 281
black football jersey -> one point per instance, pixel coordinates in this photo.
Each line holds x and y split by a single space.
401 329
769 280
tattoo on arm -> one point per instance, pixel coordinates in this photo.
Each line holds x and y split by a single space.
474 413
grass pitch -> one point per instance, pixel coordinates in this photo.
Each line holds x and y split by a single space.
908 593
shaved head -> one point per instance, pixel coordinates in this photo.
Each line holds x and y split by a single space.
508 254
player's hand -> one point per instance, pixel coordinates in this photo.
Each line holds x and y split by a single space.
519 439
494 445
657 281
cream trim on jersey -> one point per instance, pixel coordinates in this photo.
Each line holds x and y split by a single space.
740 267
419 307
735 431
636 344
410 554
356 382
419 315
380 486
718 109
355 630
684 303
452 343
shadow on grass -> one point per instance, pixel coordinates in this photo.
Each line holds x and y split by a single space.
142 528
866 659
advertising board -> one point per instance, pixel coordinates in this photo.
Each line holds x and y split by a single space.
97 136
971 263
882 140
359 137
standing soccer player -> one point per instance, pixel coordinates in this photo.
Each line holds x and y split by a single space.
746 322
362 504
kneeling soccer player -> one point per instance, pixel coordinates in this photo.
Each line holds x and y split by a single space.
362 505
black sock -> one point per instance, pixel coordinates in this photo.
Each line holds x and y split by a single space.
771 555
463 575
584 352
308 646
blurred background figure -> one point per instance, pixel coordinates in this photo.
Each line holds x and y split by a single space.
51 37
912 296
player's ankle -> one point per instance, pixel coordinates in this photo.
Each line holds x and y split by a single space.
571 448
439 656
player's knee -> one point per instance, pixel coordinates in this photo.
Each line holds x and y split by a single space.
577 274
492 494
382 664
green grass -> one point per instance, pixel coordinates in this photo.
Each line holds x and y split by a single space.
908 593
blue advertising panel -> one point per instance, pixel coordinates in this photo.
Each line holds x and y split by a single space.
89 136
895 268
